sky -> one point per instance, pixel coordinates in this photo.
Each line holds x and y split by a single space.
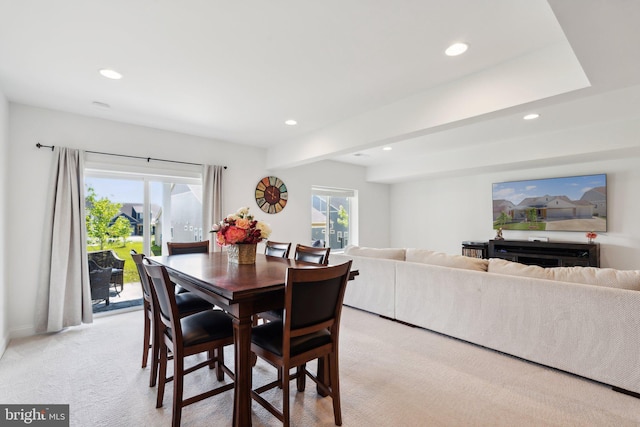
123 190
572 187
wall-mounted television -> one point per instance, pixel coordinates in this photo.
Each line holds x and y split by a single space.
575 203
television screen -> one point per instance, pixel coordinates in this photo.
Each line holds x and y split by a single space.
576 203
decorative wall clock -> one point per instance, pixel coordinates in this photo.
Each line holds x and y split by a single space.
271 194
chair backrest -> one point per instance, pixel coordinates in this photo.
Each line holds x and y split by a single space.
94 266
313 299
106 258
144 278
179 248
277 249
164 296
311 254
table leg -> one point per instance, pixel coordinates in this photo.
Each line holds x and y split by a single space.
242 391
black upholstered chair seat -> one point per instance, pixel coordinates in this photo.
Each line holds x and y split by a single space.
269 336
190 303
180 290
272 315
205 326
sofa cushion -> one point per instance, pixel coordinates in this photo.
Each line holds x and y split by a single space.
442 259
503 266
609 277
387 253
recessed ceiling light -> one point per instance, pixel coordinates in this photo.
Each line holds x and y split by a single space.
387 148
290 122
531 116
456 49
110 74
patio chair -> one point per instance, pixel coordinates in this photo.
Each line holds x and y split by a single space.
99 283
109 259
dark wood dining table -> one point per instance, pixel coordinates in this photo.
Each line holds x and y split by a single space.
240 290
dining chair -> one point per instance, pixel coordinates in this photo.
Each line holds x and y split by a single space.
187 304
207 331
316 255
277 249
309 330
311 254
179 248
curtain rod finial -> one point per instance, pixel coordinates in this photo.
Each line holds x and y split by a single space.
45 146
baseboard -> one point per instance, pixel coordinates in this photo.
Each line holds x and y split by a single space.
25 331
627 392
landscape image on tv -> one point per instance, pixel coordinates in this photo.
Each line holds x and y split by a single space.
576 203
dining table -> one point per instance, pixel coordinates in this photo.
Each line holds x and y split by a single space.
242 290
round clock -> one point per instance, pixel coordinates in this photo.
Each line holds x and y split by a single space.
271 194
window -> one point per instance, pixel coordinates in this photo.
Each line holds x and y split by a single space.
333 217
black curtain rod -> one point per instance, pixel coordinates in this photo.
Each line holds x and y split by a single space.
148 159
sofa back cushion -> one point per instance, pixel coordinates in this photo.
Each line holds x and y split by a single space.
503 266
609 277
442 259
397 254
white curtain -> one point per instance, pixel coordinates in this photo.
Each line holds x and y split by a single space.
64 297
211 200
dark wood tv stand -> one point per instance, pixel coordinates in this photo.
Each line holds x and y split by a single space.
546 254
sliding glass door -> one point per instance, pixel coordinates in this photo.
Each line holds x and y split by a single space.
143 212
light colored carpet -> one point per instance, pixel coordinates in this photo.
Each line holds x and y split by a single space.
391 375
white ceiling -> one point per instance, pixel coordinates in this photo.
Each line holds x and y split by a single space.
356 75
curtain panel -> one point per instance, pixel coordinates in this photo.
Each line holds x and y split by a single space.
211 200
64 297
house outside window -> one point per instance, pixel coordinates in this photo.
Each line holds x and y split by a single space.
333 217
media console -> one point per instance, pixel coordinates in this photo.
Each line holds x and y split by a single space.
546 254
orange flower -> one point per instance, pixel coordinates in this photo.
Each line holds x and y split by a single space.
243 223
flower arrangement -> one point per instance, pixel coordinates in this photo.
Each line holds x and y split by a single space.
240 227
591 236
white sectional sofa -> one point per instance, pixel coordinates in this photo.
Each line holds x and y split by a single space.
582 320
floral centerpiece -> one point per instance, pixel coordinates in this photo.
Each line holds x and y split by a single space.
241 232
591 236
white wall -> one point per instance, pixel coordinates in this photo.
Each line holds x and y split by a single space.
4 204
453 210
29 170
373 200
